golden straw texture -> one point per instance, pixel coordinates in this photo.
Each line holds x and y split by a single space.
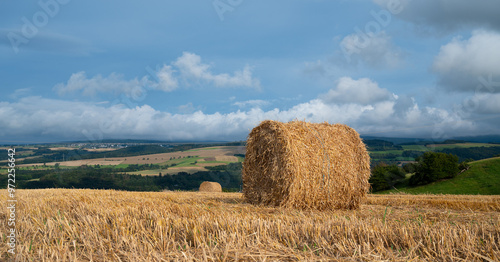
210 187
305 165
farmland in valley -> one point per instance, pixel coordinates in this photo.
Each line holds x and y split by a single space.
188 161
108 225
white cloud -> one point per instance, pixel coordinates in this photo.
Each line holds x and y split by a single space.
463 65
251 103
114 83
186 109
65 120
165 79
372 50
477 55
21 92
191 67
362 91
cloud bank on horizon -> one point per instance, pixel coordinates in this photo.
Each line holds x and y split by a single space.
387 68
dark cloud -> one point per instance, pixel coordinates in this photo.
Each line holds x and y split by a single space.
449 15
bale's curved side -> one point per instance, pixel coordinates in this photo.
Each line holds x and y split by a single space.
305 165
210 187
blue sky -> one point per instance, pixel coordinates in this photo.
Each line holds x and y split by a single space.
212 70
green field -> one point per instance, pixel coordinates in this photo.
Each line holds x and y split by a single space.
483 177
415 147
186 164
203 148
192 161
460 145
182 162
397 152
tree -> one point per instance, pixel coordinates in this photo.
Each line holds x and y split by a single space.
384 176
434 166
410 167
377 180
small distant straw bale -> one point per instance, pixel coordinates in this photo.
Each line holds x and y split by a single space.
305 165
210 187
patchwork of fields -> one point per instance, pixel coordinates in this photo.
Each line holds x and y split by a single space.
189 161
197 159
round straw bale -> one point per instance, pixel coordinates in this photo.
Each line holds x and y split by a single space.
210 187
305 165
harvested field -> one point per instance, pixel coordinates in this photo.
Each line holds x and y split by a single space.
160 158
209 164
226 158
62 148
102 225
456 202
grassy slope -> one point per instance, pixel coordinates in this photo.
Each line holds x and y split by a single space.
483 178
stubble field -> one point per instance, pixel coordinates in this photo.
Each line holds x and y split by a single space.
104 225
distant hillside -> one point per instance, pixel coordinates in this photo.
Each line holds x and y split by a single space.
481 139
475 153
483 178
380 145
424 141
398 140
